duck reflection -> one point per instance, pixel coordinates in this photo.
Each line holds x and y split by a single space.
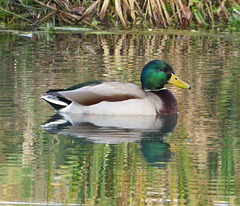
150 131
156 151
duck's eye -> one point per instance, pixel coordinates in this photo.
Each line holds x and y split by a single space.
160 69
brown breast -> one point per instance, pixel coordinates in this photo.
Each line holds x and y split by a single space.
168 100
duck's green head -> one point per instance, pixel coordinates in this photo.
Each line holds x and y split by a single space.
156 73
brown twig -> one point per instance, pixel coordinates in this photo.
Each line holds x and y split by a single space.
88 10
66 14
119 12
44 18
104 9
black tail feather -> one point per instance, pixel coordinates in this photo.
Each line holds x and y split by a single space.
58 106
55 106
54 90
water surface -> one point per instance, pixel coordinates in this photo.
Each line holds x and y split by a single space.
187 159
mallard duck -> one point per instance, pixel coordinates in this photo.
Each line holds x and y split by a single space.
121 98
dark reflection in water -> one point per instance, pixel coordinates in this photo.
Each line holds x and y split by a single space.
131 161
156 151
149 130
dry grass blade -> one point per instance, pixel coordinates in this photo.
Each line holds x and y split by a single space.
118 10
166 12
155 12
64 19
126 9
211 7
104 9
221 6
144 5
181 6
132 12
173 10
149 11
44 18
162 19
66 4
178 11
65 13
139 9
210 11
88 10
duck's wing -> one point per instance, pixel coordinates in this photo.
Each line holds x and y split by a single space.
105 91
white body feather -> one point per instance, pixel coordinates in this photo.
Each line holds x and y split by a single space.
142 103
127 107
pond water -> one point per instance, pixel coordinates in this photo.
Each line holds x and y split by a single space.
191 158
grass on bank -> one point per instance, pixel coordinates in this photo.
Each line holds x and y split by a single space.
100 14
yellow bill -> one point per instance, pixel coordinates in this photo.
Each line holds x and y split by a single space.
178 82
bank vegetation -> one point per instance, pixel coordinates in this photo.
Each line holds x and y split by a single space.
102 14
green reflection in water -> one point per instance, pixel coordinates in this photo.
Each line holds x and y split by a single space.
198 162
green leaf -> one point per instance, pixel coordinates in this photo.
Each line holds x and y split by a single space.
195 1
94 22
199 17
236 6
